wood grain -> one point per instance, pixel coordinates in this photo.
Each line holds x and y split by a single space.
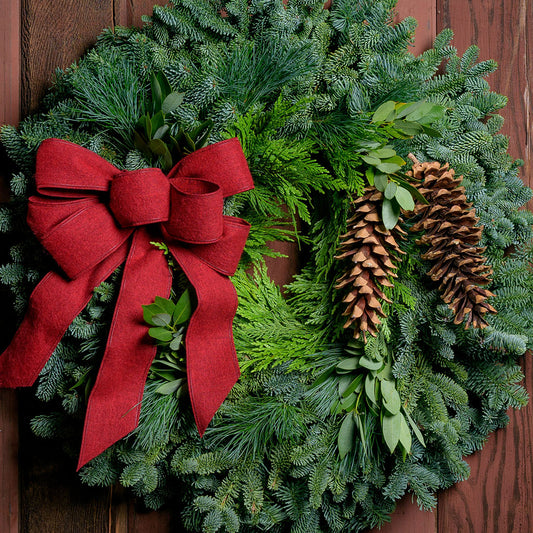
130 12
498 497
10 62
9 114
54 35
408 517
53 498
9 480
502 30
426 14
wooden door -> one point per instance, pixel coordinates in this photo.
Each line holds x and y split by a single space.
37 493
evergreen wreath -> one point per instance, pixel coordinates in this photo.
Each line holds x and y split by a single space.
333 419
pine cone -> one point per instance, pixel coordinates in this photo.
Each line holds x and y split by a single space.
452 233
370 248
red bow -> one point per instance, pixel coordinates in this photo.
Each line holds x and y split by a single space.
92 217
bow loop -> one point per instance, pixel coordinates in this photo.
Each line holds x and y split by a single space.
196 211
139 197
222 163
79 234
66 170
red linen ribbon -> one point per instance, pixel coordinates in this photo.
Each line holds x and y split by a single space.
92 217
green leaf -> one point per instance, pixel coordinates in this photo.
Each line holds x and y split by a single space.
161 334
413 190
416 429
391 426
161 149
165 304
166 89
370 388
431 132
374 161
404 198
161 319
386 373
158 147
147 126
323 377
405 434
361 427
346 438
390 190
381 181
385 112
370 175
388 168
395 159
384 153
408 128
390 213
355 386
175 343
149 311
157 94
344 383
171 387
182 309
390 396
161 131
427 113
409 108
141 144
158 120
172 102
370 363
200 134
349 364
349 402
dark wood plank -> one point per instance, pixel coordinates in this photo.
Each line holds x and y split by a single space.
425 12
127 516
408 517
498 497
501 28
55 34
9 114
53 498
9 478
129 12
10 62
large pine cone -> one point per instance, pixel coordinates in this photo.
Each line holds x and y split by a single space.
370 248
451 230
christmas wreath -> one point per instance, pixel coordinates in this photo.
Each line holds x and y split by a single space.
391 355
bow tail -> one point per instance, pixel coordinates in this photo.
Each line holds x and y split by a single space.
53 305
114 404
212 365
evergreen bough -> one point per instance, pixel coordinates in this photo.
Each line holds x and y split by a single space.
298 85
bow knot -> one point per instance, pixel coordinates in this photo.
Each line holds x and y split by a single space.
92 217
139 197
196 208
